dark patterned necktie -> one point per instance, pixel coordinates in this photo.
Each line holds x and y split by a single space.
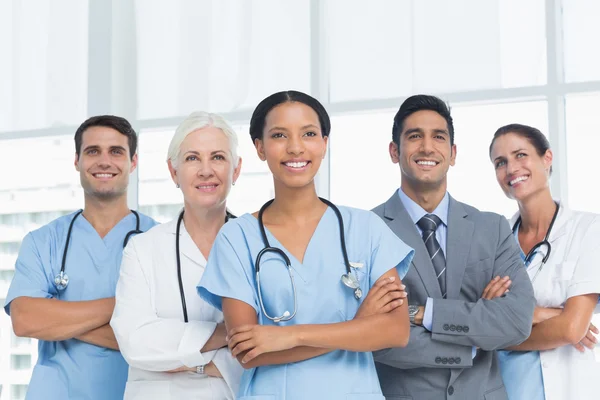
428 224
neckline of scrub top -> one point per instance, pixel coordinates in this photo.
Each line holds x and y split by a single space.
116 233
274 242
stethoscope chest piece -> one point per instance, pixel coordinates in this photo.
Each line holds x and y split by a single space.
352 283
61 281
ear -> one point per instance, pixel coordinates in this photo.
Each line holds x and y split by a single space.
134 163
326 140
260 149
453 155
173 172
394 152
548 157
237 170
76 162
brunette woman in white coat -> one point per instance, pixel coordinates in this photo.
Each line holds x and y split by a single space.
561 251
174 342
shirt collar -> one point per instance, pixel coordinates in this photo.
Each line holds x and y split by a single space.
417 212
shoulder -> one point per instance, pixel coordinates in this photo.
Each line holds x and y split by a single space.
239 228
53 230
154 236
482 218
584 223
146 222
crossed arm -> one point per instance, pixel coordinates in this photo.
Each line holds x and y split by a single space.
555 327
257 345
56 320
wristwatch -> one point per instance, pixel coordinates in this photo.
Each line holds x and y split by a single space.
412 313
200 369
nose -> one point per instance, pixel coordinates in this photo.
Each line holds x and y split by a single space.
205 169
295 145
104 160
512 167
427 145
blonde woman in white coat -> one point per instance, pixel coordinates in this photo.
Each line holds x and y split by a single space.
561 251
169 357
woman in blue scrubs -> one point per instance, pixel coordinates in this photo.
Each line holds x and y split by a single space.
321 346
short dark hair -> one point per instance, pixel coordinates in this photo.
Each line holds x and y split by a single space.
257 122
110 121
421 102
537 139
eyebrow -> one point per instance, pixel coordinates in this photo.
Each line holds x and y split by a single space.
280 128
512 152
96 147
212 153
420 130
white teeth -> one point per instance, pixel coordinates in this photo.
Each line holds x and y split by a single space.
517 180
429 163
103 175
206 186
296 164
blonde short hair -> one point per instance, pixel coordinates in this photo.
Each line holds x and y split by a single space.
198 120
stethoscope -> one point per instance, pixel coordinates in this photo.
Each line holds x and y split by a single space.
537 246
228 216
347 279
61 280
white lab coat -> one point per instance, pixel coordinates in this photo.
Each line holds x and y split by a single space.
148 321
572 269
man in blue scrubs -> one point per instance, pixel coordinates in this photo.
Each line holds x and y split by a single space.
78 355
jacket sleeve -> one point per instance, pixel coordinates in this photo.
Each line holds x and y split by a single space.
146 341
424 352
490 324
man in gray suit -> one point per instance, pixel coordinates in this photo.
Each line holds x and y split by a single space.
465 260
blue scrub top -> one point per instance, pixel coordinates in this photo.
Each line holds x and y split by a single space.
72 369
322 298
522 370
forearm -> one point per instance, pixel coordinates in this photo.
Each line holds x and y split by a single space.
216 341
56 320
102 336
370 333
296 354
542 314
546 335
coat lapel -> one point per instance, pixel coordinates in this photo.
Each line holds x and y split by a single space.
404 228
187 247
458 244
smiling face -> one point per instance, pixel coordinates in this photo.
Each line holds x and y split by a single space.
425 153
104 164
205 168
292 144
520 171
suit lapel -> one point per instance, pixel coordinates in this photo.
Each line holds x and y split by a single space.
404 228
458 244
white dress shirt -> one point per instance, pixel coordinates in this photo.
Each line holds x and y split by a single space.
573 269
149 326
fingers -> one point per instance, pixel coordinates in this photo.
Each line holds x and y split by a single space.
486 291
252 354
496 288
238 338
242 347
579 347
384 286
240 329
392 305
594 329
589 340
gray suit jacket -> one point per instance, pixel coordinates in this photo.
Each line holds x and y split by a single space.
439 364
